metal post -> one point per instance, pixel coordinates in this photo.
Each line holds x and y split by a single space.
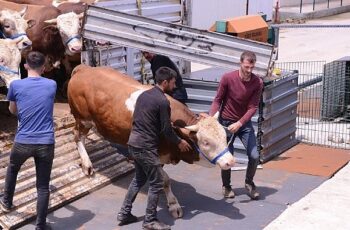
328 4
301 5
247 8
313 5
341 2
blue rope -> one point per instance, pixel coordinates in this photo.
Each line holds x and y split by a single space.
2 35
72 38
8 70
213 161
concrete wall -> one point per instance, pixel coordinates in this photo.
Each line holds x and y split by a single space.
205 13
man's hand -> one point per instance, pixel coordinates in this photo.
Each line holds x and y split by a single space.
233 128
184 146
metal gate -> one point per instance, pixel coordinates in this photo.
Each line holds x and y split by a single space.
324 101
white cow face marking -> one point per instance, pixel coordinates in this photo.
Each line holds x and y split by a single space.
131 101
13 24
69 26
10 57
212 141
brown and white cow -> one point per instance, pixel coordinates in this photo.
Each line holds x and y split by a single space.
10 57
105 98
49 35
13 25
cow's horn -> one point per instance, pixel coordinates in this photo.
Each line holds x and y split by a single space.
193 128
22 12
51 21
216 115
81 15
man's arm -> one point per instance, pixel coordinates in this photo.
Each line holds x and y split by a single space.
220 95
13 107
166 128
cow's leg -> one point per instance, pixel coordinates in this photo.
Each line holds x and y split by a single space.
80 131
173 205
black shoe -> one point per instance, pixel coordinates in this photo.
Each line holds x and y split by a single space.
47 227
126 218
252 192
155 225
4 207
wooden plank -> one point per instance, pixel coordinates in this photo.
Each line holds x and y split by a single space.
68 182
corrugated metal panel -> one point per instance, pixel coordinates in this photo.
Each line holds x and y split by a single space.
277 119
126 59
67 179
174 40
163 10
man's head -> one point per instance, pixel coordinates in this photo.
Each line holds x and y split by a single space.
35 61
248 60
165 78
148 55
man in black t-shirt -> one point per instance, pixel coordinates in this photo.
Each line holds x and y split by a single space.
158 61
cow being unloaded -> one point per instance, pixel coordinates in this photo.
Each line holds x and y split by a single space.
10 57
105 98
13 25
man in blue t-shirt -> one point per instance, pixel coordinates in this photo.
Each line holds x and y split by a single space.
32 100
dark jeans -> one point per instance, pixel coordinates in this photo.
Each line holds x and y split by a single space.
147 167
43 157
247 136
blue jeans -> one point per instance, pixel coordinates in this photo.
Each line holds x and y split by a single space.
247 136
43 157
147 167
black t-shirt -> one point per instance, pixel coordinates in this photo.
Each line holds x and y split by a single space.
151 119
163 61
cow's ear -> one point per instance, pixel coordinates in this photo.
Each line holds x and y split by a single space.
31 23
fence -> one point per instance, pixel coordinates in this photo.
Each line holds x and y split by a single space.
323 112
320 4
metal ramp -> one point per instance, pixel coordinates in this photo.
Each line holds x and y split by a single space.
172 39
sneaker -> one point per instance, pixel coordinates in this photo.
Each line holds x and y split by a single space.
46 227
155 225
228 192
126 218
252 192
4 207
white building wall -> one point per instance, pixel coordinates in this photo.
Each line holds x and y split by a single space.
204 13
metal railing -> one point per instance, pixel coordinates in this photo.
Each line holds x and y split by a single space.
320 4
323 112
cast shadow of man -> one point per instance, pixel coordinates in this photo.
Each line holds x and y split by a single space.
76 220
194 203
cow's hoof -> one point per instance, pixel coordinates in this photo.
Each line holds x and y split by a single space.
88 170
175 210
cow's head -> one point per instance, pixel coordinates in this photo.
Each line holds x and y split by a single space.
209 138
69 27
13 25
10 58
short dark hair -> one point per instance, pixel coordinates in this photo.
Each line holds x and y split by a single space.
249 56
35 59
164 74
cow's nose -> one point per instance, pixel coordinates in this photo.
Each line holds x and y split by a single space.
76 48
27 43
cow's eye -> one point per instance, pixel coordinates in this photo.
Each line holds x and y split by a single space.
6 26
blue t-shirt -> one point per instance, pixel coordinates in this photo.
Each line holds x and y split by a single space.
34 97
